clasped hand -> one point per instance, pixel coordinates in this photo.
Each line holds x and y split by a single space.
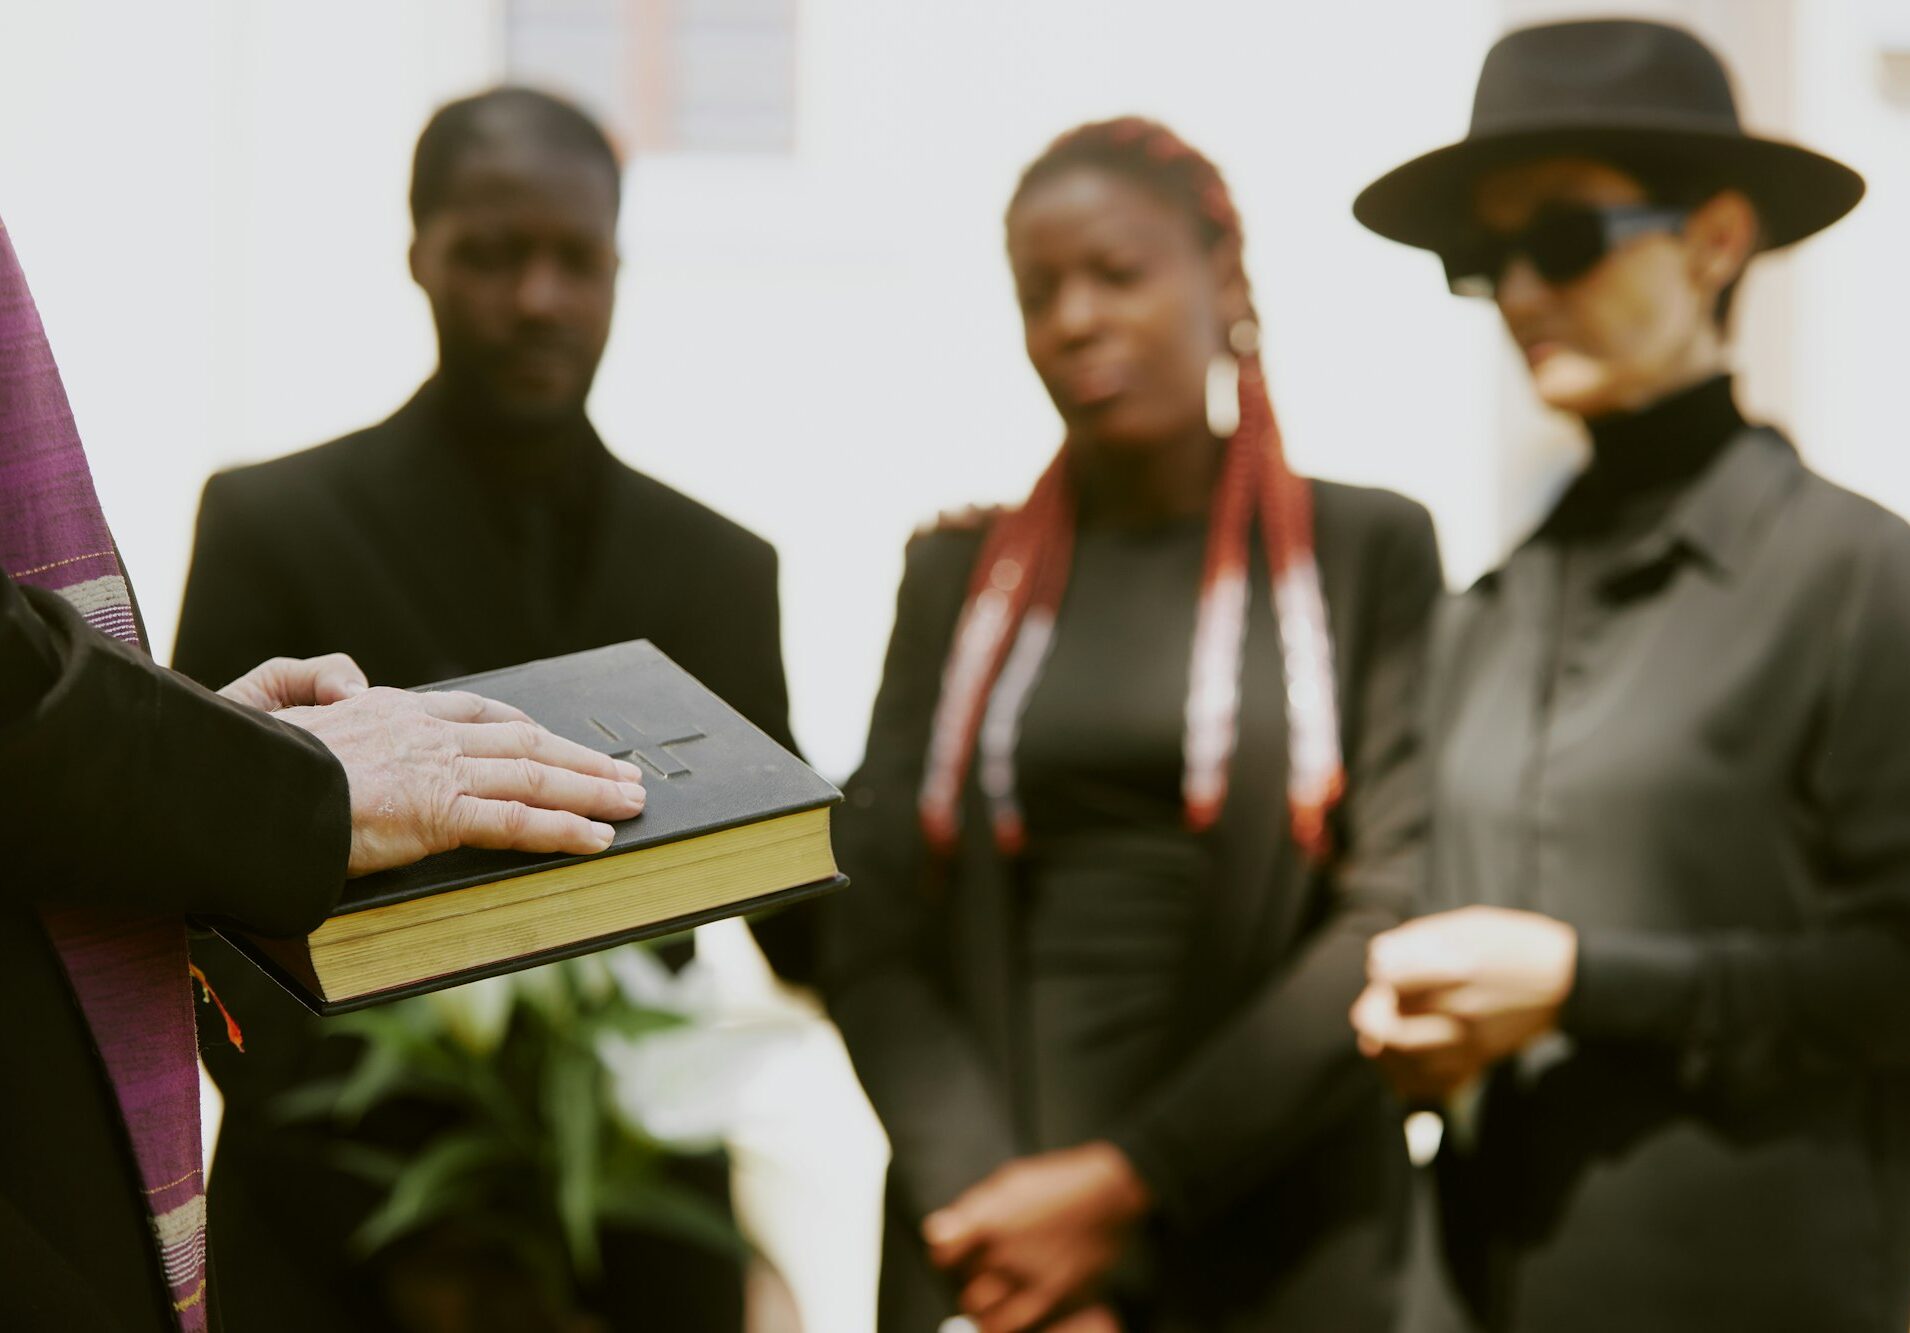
1031 1241
429 772
1451 994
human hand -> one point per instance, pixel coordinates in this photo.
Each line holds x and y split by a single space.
1037 1233
443 769
1426 1058
291 682
1501 975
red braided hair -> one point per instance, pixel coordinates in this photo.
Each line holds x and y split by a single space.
1007 620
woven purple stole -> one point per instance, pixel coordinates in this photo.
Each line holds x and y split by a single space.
128 971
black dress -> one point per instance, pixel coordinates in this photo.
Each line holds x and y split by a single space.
1678 719
1181 995
1110 871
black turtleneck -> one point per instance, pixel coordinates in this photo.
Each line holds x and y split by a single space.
1642 461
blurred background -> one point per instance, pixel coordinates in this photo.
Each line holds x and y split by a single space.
816 332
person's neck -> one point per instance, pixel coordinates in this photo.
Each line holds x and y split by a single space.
1703 360
1144 487
1637 455
507 449
1701 407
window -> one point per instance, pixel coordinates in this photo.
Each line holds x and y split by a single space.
666 76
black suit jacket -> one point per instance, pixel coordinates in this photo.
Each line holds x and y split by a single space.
388 545
124 785
1274 1152
384 545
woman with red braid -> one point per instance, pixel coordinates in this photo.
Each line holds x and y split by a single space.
1141 783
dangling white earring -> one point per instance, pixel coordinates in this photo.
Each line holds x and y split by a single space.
1223 396
1223 379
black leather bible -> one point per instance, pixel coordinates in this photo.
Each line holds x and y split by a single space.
733 823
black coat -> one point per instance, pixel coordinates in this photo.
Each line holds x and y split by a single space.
1275 1153
1692 743
388 545
385 545
125 785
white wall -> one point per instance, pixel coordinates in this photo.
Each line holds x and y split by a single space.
827 347
1852 348
209 199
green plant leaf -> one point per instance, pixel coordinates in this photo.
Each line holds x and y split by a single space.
476 1015
627 1020
591 980
546 993
665 1208
574 1115
401 1024
446 1175
308 1101
381 1071
367 1163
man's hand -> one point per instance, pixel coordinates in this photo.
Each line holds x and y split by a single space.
429 772
1038 1233
290 682
1452 993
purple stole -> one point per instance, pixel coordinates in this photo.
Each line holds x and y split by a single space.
128 971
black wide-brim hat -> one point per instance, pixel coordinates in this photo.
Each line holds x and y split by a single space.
1644 96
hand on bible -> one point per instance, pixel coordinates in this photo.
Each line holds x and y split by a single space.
429 772
1452 993
291 682
1037 1234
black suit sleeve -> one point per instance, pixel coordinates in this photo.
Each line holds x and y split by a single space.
1748 1012
235 599
129 786
754 611
759 620
1285 1065
946 1116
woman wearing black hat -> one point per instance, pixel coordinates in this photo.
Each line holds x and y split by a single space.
1667 1005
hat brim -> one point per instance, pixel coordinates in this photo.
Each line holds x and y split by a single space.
1428 202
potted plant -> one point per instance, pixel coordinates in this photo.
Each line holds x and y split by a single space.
496 1219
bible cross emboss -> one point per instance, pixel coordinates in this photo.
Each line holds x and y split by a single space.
647 749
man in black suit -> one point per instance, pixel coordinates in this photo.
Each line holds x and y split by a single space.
484 524
134 791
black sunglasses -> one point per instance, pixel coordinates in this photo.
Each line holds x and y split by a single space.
1563 241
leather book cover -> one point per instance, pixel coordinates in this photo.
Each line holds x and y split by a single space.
705 767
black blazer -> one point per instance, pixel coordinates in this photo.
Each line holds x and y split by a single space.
1276 1157
379 545
126 786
